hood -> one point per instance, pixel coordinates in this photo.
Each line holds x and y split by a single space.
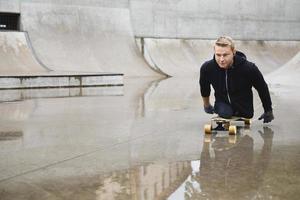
239 58
240 54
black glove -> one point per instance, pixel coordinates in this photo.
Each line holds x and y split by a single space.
267 116
209 109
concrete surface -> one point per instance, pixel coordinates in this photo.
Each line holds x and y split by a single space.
288 74
11 6
72 37
16 55
146 144
183 58
32 93
145 140
241 19
49 80
20 68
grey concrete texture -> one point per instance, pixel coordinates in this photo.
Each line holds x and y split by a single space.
48 80
98 36
93 3
20 68
30 93
148 143
84 38
288 74
184 57
16 56
11 6
150 139
24 94
245 20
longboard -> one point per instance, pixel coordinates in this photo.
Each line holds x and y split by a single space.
223 124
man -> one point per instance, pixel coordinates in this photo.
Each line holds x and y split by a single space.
232 78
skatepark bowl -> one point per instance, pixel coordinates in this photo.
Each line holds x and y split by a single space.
100 100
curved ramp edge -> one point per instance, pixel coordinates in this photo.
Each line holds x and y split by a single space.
173 57
84 38
288 74
183 58
16 54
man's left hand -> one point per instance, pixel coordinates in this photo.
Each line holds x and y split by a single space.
267 116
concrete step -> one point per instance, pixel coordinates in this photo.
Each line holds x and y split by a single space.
9 95
60 80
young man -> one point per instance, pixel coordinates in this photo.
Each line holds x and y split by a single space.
232 78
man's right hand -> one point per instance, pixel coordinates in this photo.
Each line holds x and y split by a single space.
209 109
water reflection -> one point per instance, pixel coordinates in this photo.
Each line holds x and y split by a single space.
231 170
157 155
149 181
225 170
10 135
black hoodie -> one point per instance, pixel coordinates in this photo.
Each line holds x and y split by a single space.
240 77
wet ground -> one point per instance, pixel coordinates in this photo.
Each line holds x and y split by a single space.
143 141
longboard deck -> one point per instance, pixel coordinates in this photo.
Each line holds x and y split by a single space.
234 118
224 124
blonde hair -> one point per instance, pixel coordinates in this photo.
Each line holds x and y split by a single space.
225 41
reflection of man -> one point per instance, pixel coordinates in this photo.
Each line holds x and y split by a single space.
232 76
233 173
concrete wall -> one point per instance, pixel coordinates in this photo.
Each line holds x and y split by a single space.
99 3
98 35
12 6
241 19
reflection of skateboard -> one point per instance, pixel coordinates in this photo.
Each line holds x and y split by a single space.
230 125
232 139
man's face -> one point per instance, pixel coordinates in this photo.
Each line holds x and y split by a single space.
224 56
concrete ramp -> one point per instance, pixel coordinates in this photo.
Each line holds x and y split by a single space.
269 55
16 55
173 57
288 74
84 38
19 68
183 58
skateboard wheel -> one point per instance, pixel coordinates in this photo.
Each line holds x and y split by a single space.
207 128
207 138
247 122
232 130
232 139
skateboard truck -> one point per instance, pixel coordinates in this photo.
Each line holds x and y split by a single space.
223 124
